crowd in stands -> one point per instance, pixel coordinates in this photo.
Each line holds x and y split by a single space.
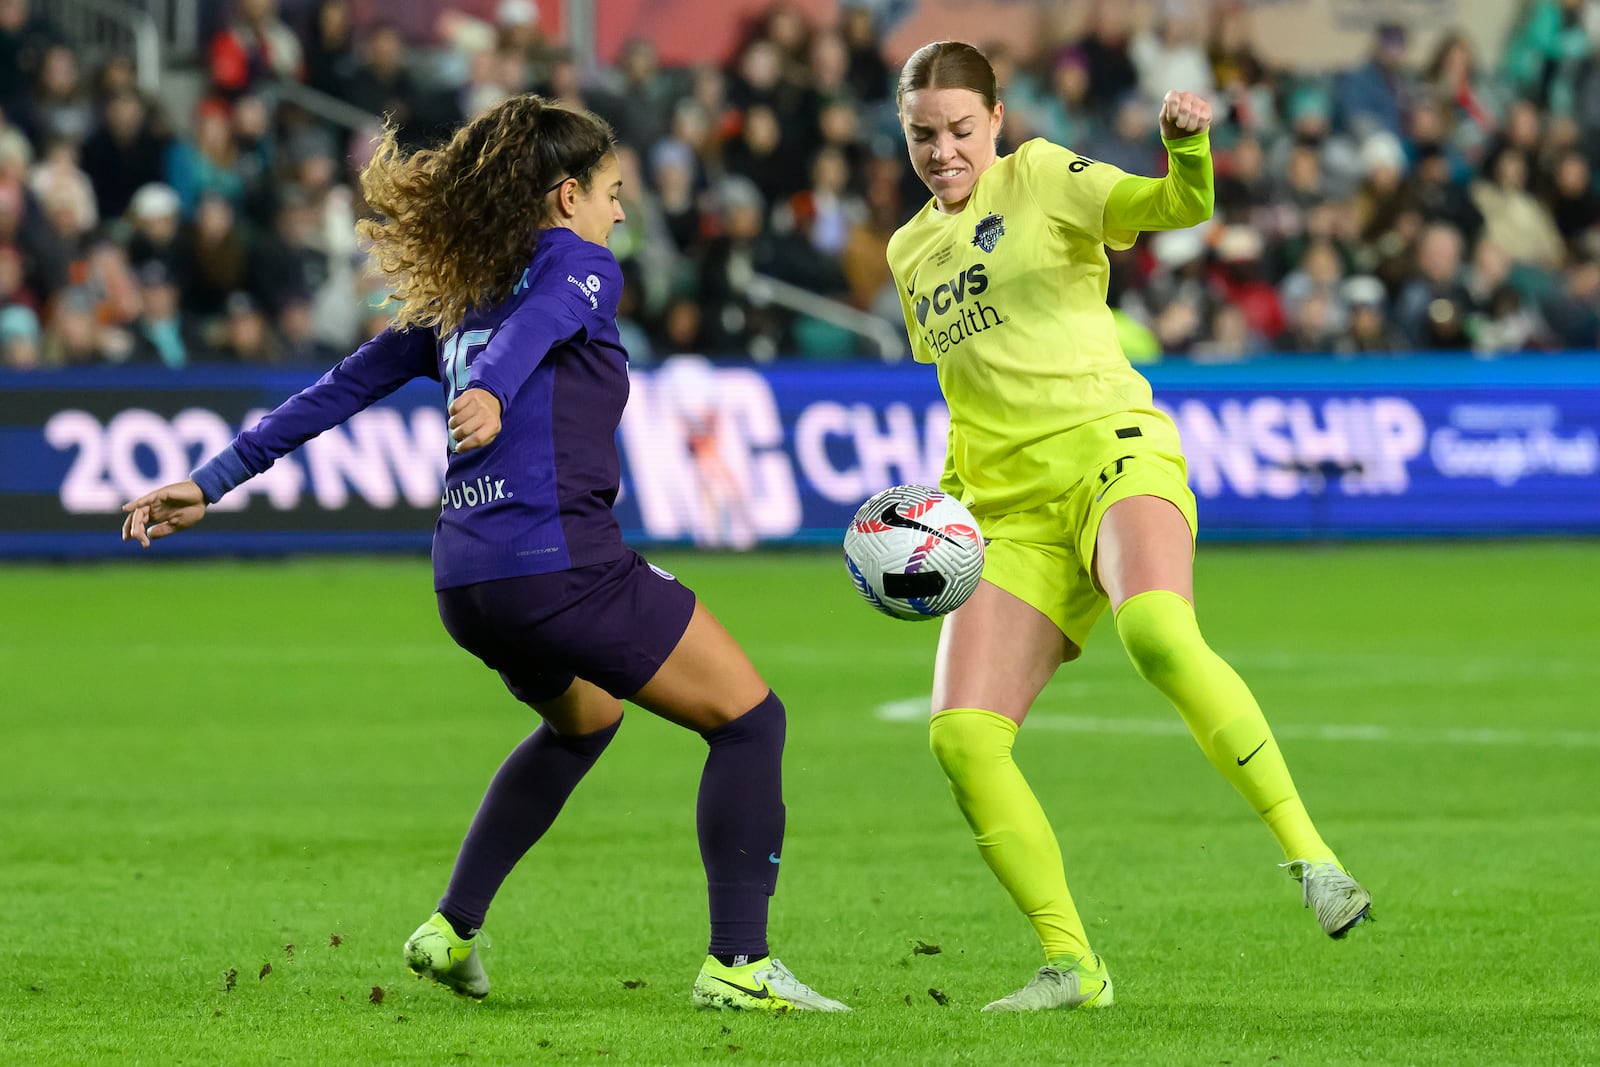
1446 202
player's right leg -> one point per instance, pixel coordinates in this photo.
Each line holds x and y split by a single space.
533 783
708 685
522 801
996 652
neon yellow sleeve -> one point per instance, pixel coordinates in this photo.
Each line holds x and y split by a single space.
1185 197
950 481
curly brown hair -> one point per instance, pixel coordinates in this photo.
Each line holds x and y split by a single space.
457 224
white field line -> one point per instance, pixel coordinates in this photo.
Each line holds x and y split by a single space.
915 710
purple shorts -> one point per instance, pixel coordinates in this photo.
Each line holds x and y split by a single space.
612 624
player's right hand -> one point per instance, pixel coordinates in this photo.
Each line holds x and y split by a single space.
474 420
162 512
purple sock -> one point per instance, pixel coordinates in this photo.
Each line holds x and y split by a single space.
522 801
740 820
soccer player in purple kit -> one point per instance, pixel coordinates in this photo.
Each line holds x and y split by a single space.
496 244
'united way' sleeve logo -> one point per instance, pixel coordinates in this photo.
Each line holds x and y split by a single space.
990 229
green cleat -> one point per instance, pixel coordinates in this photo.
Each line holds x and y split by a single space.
1082 983
435 952
764 985
1339 900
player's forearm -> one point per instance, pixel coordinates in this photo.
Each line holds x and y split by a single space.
1185 197
371 373
516 349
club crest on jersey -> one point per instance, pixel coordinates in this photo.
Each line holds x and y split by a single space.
990 229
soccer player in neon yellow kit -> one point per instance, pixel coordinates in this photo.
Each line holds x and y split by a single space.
1076 478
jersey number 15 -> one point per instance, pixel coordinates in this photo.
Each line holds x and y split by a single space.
459 351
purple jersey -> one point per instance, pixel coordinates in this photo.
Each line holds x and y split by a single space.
538 498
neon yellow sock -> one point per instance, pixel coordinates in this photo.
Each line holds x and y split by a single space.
1014 837
1159 631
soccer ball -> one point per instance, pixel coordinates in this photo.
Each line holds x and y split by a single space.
914 552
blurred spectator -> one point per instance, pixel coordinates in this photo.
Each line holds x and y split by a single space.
1512 218
1574 204
246 335
19 338
1367 330
1434 304
14 287
1241 274
761 155
256 46
161 332
1320 276
330 58
25 35
123 153
57 182
742 248
1168 54
1315 325
45 262
1546 53
59 108
287 263
1507 324
74 337
213 258
1573 310
1063 112
154 212
208 164
639 101
1231 338
673 172
1460 92
1132 141
1112 75
383 83
1374 97
297 332
870 78
1439 198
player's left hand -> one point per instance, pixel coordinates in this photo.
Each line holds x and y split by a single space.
1183 115
474 420
163 512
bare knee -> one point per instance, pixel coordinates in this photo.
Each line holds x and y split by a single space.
584 708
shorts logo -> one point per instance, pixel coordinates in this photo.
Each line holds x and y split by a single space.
990 229
1110 476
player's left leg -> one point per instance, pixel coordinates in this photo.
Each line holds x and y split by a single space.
709 685
1144 561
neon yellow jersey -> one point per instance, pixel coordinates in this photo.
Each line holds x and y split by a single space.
1008 300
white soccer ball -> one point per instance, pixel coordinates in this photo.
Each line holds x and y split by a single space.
914 552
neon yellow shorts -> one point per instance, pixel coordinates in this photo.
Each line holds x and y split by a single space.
1043 555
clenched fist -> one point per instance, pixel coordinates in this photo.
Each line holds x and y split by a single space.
474 420
1183 115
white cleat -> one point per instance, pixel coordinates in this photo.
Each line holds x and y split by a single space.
1340 902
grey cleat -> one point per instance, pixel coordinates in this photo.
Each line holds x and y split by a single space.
1084 984
1340 902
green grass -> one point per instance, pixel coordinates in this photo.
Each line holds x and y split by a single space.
207 763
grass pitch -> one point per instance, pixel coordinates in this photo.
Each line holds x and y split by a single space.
231 790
